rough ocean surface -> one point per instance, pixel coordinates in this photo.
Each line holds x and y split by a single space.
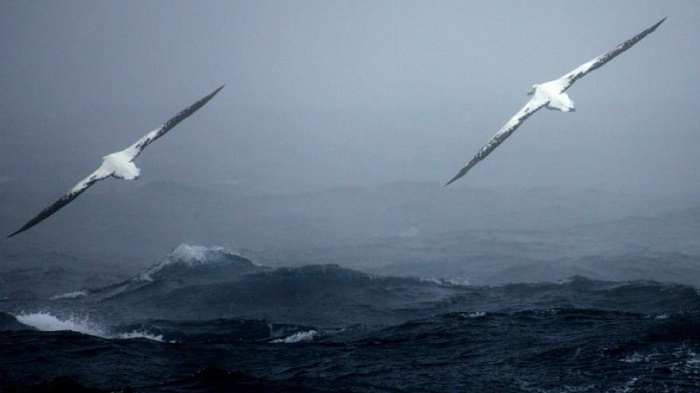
404 287
209 320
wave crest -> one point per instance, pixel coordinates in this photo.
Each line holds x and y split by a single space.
48 322
186 255
297 337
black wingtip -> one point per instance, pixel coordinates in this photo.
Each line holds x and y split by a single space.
17 232
463 171
649 30
454 179
652 28
218 90
208 97
24 228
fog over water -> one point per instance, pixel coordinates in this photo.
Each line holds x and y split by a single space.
294 234
349 93
339 123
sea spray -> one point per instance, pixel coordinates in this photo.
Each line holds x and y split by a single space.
297 337
48 322
193 255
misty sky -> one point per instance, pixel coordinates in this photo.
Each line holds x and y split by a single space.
333 93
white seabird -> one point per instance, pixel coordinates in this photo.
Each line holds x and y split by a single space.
552 95
120 164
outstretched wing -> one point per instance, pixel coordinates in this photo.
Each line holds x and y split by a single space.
531 107
101 173
569 79
78 189
136 149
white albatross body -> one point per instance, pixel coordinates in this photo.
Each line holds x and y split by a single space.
551 94
119 164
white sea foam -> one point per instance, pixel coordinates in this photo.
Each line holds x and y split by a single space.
455 281
635 358
471 314
137 334
689 361
693 361
191 255
297 337
47 322
187 255
70 295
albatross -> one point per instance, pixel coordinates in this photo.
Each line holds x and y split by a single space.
552 95
119 164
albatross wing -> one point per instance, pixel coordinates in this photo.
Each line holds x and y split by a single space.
540 100
115 163
528 110
99 174
569 79
136 149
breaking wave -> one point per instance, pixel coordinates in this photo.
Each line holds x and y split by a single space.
297 337
186 255
228 316
47 322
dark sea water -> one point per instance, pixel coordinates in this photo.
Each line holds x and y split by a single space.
208 320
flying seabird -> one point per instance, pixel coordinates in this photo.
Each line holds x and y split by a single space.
552 95
120 164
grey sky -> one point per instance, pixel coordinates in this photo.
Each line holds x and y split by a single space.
349 93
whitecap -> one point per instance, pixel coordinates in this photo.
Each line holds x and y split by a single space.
70 295
190 256
297 337
455 281
634 358
48 322
138 334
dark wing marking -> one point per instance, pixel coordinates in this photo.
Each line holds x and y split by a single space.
101 173
79 188
530 108
146 140
533 106
580 71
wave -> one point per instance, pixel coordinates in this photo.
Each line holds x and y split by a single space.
186 264
47 322
70 295
8 322
220 330
318 295
200 283
297 337
188 256
196 283
548 349
209 331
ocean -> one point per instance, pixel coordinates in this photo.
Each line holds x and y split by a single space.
209 320
403 288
